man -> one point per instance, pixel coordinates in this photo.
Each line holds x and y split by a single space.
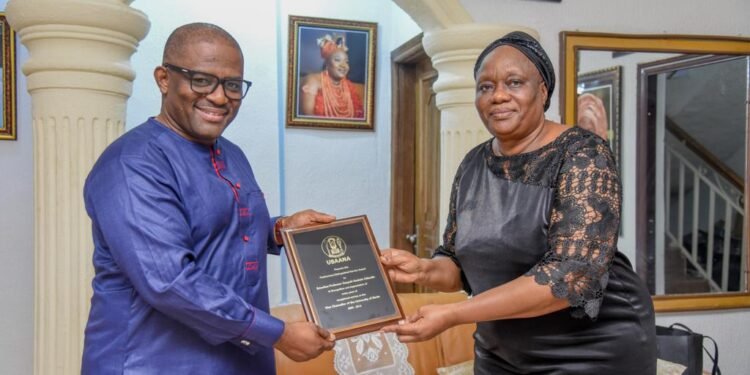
181 230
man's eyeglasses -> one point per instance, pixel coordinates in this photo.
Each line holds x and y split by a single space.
204 83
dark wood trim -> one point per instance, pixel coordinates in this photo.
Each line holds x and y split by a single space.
410 52
562 82
403 135
645 184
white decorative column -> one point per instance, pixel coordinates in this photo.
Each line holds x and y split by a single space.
453 41
79 78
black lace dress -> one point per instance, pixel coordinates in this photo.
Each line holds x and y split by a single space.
552 214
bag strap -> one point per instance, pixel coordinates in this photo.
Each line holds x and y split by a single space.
714 358
681 326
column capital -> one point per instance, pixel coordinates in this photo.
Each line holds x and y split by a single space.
113 15
78 44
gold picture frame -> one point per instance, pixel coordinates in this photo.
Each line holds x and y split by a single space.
8 38
331 73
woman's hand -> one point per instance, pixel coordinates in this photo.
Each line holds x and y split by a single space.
426 323
404 267
439 273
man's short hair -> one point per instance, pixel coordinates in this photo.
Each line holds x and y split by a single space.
193 33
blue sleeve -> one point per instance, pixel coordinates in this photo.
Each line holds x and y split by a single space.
140 218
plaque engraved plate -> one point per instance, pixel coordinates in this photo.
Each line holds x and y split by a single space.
342 284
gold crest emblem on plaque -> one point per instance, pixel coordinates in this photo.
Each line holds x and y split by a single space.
333 246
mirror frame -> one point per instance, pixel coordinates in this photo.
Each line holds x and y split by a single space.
571 43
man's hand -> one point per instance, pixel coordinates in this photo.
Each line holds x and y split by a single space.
303 341
299 219
305 218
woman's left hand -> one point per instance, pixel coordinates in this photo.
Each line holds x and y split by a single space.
426 323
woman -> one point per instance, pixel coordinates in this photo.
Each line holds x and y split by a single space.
329 93
532 235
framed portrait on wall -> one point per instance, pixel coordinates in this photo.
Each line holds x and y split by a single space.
605 84
8 76
331 73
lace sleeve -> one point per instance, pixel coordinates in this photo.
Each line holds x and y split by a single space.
584 225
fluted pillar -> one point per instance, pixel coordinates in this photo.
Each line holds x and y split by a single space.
453 41
79 78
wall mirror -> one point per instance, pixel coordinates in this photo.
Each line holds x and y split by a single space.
686 100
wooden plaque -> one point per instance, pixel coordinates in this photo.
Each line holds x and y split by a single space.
341 282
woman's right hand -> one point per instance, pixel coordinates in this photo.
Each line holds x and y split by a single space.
403 266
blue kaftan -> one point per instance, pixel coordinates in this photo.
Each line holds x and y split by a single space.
181 232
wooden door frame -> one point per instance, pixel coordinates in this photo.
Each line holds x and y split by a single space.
403 135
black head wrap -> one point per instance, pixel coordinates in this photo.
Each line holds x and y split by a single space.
533 51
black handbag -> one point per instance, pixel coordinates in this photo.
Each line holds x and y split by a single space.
679 344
